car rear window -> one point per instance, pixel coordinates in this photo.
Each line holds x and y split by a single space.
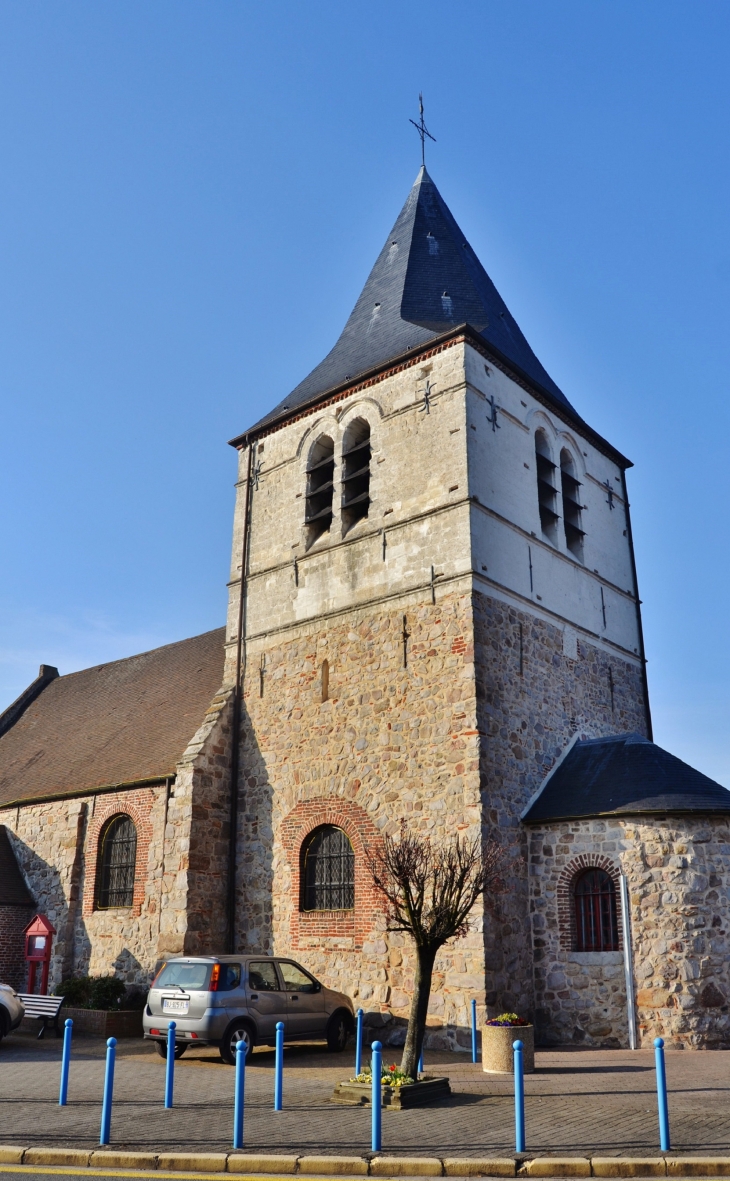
193 977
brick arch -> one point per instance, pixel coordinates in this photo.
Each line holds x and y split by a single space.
102 815
566 882
362 833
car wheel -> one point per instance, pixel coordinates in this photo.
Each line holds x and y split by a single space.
338 1031
180 1048
238 1031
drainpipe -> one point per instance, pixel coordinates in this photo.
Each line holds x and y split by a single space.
628 961
236 718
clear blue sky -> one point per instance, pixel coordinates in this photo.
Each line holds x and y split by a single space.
191 196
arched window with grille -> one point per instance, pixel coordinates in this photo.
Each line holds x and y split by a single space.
596 920
546 491
356 452
320 488
328 870
572 517
117 861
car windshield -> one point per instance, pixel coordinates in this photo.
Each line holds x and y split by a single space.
187 976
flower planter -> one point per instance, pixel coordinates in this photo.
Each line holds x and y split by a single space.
103 1023
426 1090
497 1052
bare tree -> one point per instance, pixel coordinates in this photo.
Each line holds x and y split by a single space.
430 893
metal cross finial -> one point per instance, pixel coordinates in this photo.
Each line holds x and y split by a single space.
422 130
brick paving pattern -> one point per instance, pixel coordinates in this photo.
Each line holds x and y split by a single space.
578 1102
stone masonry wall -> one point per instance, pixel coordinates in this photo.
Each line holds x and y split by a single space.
678 871
390 742
56 846
536 689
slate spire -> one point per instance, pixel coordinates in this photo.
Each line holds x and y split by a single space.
426 280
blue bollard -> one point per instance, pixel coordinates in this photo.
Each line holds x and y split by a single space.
661 1094
65 1062
358 1043
519 1099
376 1096
106 1107
170 1064
473 1031
279 1067
239 1092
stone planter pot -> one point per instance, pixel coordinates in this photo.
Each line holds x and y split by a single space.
426 1090
497 1052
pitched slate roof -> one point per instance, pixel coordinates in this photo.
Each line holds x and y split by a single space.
426 281
623 774
117 723
13 890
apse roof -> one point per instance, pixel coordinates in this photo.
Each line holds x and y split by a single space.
624 773
426 281
118 723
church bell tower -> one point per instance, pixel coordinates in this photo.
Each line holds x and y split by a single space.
432 592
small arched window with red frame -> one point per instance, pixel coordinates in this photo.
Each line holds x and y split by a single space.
596 919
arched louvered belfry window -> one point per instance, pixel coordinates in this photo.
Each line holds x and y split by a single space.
596 920
355 473
320 488
117 862
328 870
572 520
547 493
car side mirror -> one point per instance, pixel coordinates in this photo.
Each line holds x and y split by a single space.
317 986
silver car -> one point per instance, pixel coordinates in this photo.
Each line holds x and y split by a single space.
222 1000
11 1010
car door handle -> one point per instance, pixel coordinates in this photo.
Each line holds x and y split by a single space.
294 998
254 996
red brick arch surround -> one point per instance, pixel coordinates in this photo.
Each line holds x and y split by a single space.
139 812
353 924
566 883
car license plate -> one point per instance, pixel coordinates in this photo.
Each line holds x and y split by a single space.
175 1006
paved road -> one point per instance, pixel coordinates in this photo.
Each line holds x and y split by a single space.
577 1102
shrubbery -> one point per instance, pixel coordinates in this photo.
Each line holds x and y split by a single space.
99 992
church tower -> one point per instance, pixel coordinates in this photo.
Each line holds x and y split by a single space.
432 592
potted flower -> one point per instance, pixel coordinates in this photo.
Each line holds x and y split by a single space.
498 1034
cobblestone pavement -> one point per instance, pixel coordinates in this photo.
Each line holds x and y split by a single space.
577 1102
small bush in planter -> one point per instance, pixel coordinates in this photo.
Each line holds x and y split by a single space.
507 1019
92 992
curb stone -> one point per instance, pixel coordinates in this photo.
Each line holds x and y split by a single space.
474 1166
406 1166
107 1158
56 1156
253 1163
348 1165
374 1165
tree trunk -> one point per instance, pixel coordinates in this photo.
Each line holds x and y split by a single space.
425 957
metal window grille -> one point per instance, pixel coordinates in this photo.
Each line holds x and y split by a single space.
546 490
117 863
570 488
596 922
329 871
320 488
356 454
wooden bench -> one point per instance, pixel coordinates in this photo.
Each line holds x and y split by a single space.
43 1009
